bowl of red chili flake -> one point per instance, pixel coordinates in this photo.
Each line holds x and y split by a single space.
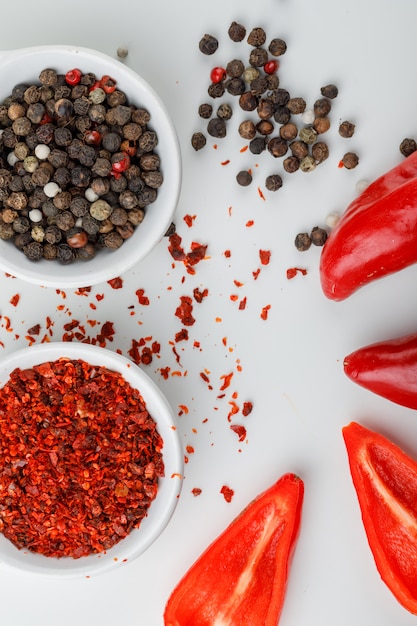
90 166
90 460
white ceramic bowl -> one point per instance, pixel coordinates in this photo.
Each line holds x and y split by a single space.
25 65
169 487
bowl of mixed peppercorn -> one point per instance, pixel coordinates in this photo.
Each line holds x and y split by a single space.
90 166
90 462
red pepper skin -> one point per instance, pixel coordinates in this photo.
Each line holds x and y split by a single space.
385 480
387 368
376 236
241 578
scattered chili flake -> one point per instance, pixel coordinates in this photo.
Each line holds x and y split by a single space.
233 410
183 409
234 297
244 148
247 408
196 491
116 283
227 493
80 458
250 223
164 371
83 291
261 195
265 256
184 311
264 312
239 430
242 304
256 273
34 330
92 306
204 376
182 335
142 299
225 162
199 295
14 300
227 379
190 449
99 297
189 219
227 254
293 271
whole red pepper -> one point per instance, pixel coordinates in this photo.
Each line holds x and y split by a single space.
242 576
385 480
387 368
376 236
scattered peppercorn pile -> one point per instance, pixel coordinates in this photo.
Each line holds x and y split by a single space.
78 166
80 458
276 128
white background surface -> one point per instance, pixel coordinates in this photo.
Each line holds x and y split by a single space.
291 363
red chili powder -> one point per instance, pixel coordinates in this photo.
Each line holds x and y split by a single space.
80 458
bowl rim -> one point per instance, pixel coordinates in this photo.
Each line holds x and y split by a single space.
169 488
106 264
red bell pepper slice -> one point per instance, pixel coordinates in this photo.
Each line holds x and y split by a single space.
376 235
387 368
241 578
385 480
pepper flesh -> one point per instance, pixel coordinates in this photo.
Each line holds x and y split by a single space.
385 480
242 576
376 236
387 368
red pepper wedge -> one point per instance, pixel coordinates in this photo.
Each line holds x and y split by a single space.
241 578
376 235
387 368
385 480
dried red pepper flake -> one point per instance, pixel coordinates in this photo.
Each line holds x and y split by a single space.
204 376
14 300
293 271
239 430
183 409
190 449
200 295
164 371
80 458
226 162
196 254
184 311
256 273
227 254
116 283
247 408
182 335
242 304
250 223
234 297
189 219
261 194
227 493
265 311
227 379
196 491
142 299
99 297
34 330
83 291
265 256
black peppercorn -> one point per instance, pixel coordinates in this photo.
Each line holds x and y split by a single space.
224 111
277 147
277 47
216 90
322 107
408 146
288 131
244 178
148 141
237 32
299 149
329 91
235 86
248 101
320 151
350 160
208 44
198 141
256 37
216 128
282 115
235 68
33 250
296 105
65 253
291 164
205 111
149 162
259 85
258 57
247 129
265 127
273 182
302 242
318 236
346 129
35 112
257 145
